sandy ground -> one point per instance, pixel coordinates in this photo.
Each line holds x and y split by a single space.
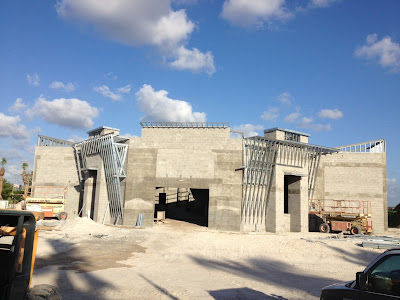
178 260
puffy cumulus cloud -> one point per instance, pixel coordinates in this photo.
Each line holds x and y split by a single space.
271 114
158 107
11 127
384 51
247 130
333 114
285 98
254 13
193 60
140 23
308 123
117 96
33 79
68 87
18 106
72 113
293 117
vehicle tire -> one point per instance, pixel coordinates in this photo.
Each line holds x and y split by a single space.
324 228
43 292
355 229
62 215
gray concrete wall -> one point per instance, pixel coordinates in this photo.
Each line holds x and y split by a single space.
297 218
95 163
197 158
355 176
55 166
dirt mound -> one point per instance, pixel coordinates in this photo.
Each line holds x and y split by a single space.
85 226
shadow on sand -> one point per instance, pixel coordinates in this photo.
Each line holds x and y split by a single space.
270 271
68 286
242 293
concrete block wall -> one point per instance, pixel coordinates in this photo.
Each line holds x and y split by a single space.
55 166
95 162
355 176
140 184
199 158
297 218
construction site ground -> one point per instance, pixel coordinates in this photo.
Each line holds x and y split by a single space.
178 260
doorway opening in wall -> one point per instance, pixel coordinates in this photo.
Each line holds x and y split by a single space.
183 204
88 200
291 193
93 205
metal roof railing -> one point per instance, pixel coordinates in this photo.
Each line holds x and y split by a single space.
378 146
52 142
184 125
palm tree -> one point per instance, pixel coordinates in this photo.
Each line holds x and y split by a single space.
24 175
2 172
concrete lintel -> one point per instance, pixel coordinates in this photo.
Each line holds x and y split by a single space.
295 174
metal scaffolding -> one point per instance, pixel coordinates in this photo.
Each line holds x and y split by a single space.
261 155
52 142
113 153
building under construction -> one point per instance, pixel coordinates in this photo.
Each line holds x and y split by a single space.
196 172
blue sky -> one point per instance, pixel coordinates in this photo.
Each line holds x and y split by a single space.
330 68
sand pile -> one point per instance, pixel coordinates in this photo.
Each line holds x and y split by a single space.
86 226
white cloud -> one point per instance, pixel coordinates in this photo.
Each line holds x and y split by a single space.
68 87
106 92
308 123
72 113
128 135
322 3
158 107
385 52
139 23
247 129
333 114
184 2
292 117
76 139
18 106
33 79
12 127
285 98
193 60
110 76
257 13
271 114
125 89
254 13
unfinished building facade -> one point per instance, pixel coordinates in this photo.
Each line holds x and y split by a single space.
196 172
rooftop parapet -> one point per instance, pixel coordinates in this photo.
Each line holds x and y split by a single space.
184 125
286 135
378 146
103 130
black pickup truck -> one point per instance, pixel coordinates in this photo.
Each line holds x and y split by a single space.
380 280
